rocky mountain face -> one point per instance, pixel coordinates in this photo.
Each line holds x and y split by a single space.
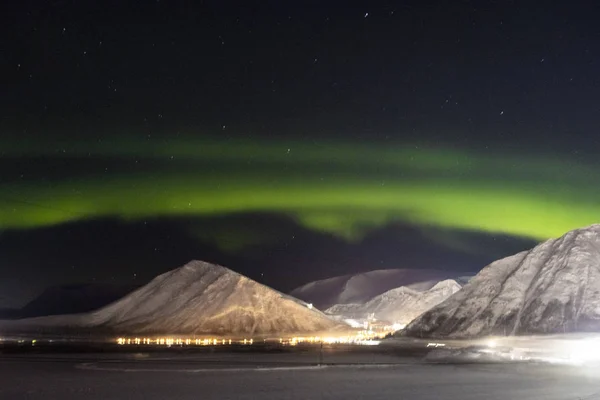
552 288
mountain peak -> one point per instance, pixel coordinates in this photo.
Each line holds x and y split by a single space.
447 283
201 267
203 298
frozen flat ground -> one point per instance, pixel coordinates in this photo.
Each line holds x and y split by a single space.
282 376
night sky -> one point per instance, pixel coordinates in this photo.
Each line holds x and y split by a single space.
290 141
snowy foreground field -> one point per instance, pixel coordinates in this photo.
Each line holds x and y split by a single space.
292 375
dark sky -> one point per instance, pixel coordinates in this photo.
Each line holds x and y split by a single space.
290 141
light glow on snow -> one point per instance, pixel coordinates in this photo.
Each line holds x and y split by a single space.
397 326
354 323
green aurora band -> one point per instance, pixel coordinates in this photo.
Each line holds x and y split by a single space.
342 188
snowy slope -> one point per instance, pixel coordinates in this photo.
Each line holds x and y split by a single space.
554 287
362 287
204 298
399 306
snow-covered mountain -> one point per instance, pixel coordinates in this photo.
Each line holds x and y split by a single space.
552 288
397 306
360 288
205 298
198 298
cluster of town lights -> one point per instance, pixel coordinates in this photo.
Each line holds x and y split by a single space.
169 341
363 338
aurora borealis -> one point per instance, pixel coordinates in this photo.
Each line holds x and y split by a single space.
289 141
341 188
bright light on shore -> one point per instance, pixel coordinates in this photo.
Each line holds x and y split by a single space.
584 350
366 337
397 326
369 342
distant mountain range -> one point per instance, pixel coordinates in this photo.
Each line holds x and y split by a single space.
70 299
396 306
361 288
552 288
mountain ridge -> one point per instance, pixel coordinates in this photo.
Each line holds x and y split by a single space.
360 288
397 306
